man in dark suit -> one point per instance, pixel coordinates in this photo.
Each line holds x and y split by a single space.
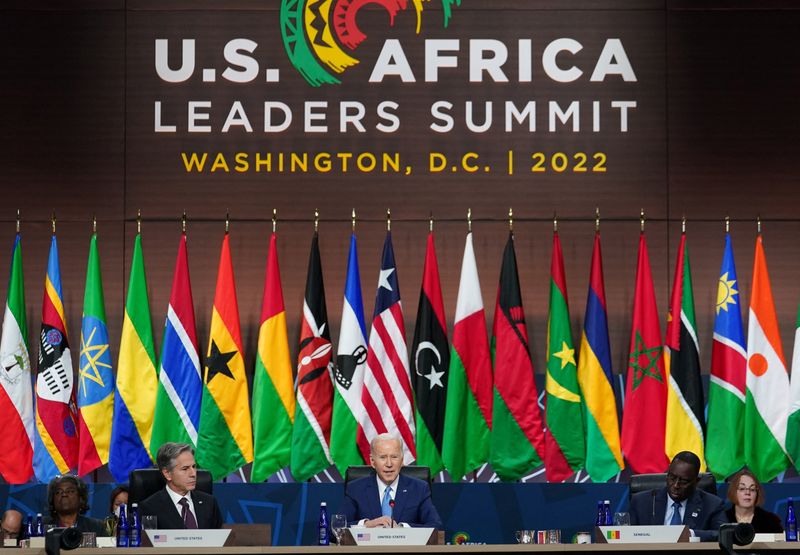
680 502
389 498
178 505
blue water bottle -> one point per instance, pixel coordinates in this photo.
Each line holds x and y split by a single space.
600 518
122 527
607 516
39 525
135 530
29 530
791 522
324 529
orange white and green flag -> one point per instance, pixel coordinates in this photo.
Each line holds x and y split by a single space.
767 398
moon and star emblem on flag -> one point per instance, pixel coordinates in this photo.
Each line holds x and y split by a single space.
434 377
217 363
650 369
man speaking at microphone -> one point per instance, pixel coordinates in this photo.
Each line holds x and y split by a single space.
389 499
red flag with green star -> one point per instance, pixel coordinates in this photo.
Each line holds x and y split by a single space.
645 412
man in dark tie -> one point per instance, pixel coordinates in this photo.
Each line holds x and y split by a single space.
389 498
680 502
179 505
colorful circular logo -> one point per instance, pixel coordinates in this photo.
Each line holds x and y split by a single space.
53 337
460 538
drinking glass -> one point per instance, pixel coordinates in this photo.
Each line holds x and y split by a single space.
622 519
554 536
149 522
338 524
89 539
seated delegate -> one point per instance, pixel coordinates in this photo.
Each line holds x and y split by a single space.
389 498
680 502
179 505
747 496
67 501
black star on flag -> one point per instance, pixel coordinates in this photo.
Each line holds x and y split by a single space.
217 363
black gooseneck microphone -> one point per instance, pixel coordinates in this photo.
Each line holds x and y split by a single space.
391 513
653 495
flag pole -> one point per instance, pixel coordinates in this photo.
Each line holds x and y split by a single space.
183 223
511 220
388 219
555 223
53 221
274 219
683 225
641 220
227 222
138 222
469 220
353 219
316 220
758 224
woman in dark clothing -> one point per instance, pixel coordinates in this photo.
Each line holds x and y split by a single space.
67 501
747 495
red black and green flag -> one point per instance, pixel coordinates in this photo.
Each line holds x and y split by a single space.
429 365
517 445
311 436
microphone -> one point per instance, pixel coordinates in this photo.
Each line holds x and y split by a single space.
391 513
653 495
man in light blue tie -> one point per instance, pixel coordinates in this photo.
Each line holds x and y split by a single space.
389 498
680 502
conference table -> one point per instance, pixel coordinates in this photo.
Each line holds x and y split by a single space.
649 548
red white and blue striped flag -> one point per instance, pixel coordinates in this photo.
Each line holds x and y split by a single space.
387 393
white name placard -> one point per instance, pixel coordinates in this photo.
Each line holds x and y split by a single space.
188 538
390 536
642 534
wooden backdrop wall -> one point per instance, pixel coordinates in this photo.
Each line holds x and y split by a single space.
714 134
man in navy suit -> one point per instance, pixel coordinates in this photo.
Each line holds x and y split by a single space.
178 505
389 499
680 502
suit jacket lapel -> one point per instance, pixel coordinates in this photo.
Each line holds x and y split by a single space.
372 496
694 508
400 496
661 506
200 511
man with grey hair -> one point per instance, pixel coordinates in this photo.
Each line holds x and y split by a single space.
179 505
389 499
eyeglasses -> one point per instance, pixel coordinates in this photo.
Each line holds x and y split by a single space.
678 480
751 489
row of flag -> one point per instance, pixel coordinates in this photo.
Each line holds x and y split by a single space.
457 404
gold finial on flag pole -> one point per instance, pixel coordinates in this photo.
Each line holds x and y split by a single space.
727 224
511 219
17 220
683 224
430 223
94 224
641 220
469 220
183 222
353 219
139 221
555 223
316 220
274 219
227 222
596 219
758 223
53 222
388 219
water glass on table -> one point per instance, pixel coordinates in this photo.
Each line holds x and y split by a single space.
338 525
622 519
149 522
